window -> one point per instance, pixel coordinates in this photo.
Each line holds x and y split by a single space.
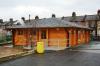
33 32
43 34
20 32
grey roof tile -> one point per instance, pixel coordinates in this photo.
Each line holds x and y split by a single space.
49 22
82 18
92 17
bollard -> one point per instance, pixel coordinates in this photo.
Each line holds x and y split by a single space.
40 47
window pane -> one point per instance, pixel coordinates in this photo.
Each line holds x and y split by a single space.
20 32
33 32
43 34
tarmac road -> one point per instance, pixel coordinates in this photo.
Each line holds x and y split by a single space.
59 58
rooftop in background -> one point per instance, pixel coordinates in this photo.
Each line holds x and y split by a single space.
81 18
69 21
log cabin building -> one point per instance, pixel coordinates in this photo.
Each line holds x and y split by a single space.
52 31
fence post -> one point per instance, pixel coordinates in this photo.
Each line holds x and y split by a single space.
58 43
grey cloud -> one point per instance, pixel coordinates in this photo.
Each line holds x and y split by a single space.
49 3
60 7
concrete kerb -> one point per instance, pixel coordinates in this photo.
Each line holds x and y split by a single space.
14 56
18 55
80 46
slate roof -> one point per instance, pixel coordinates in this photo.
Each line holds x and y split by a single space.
92 17
82 18
48 23
77 18
7 23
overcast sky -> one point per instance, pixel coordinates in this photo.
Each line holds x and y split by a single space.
44 8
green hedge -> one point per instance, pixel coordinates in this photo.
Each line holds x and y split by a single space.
8 38
5 39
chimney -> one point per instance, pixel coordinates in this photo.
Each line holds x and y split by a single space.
74 14
36 17
98 12
84 18
53 16
23 18
11 19
73 19
1 20
29 17
11 22
62 18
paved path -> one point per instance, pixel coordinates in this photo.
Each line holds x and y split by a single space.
5 51
75 57
93 47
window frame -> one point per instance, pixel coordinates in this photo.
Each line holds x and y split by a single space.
43 34
20 32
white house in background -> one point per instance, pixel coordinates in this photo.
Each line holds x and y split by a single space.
92 21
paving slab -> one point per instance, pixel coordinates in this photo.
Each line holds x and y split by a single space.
92 47
7 53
